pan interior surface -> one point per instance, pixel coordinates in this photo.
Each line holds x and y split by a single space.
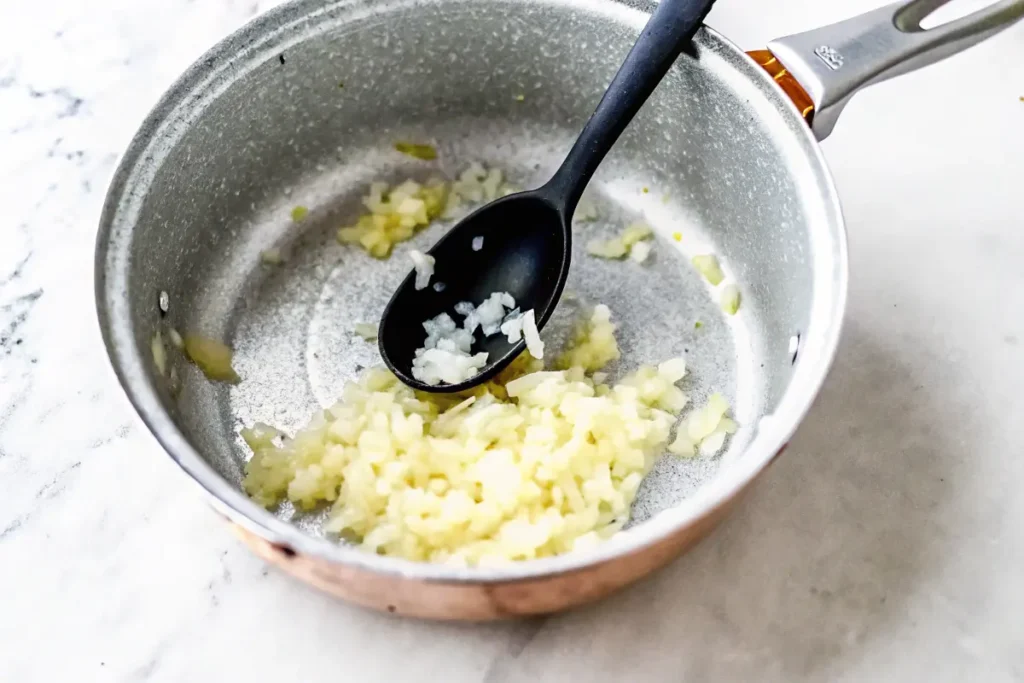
305 109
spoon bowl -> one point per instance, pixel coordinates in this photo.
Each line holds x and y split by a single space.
524 252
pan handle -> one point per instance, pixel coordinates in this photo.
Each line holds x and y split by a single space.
833 62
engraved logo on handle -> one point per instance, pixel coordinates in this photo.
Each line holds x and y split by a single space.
831 57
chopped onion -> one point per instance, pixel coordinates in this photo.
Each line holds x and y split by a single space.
173 381
395 215
617 247
443 327
593 345
640 251
271 257
478 243
159 353
707 265
260 435
433 366
513 329
492 184
705 421
175 338
731 299
212 357
439 286
424 266
712 444
728 425
610 249
705 431
366 331
527 383
682 445
488 315
673 369
586 212
533 343
469 185
446 355
534 464
634 233
417 150
474 185
544 464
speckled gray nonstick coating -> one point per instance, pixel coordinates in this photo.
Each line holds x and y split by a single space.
303 108
296 348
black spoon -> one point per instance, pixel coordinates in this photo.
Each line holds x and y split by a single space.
527 236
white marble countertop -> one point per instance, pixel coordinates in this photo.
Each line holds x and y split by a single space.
887 545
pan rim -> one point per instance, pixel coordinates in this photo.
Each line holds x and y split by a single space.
291 23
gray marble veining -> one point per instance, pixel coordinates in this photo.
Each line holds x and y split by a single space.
886 545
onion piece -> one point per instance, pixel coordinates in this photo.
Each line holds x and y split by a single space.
640 251
175 338
159 353
513 329
593 345
620 246
730 301
433 366
366 331
212 357
635 232
271 257
424 266
682 445
609 249
492 184
417 150
707 265
533 343
586 212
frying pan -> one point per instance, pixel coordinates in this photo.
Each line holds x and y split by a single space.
302 107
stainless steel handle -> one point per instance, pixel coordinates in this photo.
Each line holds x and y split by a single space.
833 62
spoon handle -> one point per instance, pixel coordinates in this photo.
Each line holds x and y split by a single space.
667 32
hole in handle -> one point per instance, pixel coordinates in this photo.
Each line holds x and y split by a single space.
925 15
